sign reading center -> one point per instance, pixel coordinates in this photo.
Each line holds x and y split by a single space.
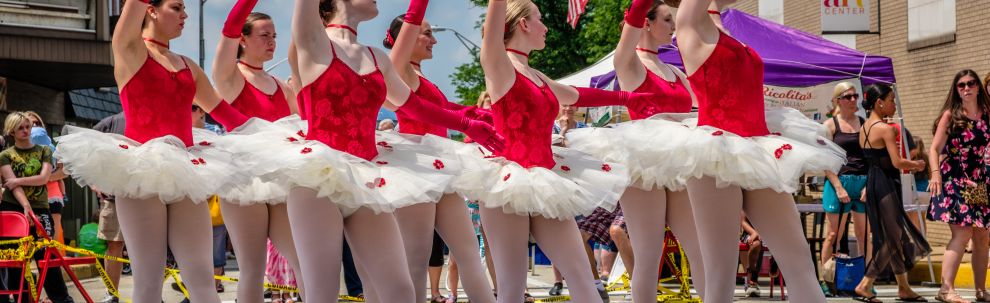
846 16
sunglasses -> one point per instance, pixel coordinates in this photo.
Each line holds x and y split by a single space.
850 97
970 83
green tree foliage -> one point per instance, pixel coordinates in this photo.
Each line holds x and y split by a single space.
568 50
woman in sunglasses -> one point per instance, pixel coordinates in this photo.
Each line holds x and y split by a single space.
842 193
958 183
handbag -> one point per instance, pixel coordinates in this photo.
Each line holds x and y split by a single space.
844 272
975 194
849 272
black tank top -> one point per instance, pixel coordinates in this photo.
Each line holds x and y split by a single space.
855 164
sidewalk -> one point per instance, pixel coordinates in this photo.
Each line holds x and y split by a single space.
539 284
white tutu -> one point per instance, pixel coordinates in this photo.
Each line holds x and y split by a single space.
577 185
464 158
162 168
277 152
796 146
630 144
250 137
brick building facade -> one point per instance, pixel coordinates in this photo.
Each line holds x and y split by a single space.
924 67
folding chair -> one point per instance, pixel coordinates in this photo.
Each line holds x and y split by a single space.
59 261
768 269
14 225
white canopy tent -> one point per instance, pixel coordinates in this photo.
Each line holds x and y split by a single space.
582 78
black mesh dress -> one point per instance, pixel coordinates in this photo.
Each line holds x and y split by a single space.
897 244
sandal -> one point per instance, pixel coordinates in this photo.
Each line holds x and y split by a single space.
870 299
438 299
529 298
914 299
949 297
982 296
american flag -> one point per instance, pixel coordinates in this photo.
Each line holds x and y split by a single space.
574 10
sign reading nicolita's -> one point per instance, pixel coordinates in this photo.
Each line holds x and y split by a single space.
845 16
814 101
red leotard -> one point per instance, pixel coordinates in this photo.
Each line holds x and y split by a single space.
302 106
729 88
429 93
252 102
671 97
157 102
343 106
524 116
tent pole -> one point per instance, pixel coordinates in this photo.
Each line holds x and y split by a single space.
913 191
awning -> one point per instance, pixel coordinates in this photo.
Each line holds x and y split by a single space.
94 103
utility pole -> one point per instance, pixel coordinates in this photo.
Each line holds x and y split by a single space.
202 40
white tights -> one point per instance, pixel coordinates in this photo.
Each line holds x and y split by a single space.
644 213
559 239
773 214
317 228
150 227
250 227
451 219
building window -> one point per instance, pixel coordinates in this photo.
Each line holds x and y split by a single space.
844 39
772 10
931 22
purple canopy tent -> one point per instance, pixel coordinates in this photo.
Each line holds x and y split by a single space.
791 57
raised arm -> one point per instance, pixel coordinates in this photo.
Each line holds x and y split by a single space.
499 72
228 78
207 99
627 64
310 39
293 58
401 98
127 44
402 48
696 32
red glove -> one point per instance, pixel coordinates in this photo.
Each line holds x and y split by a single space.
228 116
482 132
472 112
636 15
482 115
238 15
591 97
416 12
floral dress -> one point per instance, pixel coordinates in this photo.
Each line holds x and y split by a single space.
277 269
965 153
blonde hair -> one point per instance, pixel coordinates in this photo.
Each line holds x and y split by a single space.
483 99
515 11
32 114
13 121
836 92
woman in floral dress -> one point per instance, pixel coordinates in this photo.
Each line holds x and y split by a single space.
958 183
279 272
